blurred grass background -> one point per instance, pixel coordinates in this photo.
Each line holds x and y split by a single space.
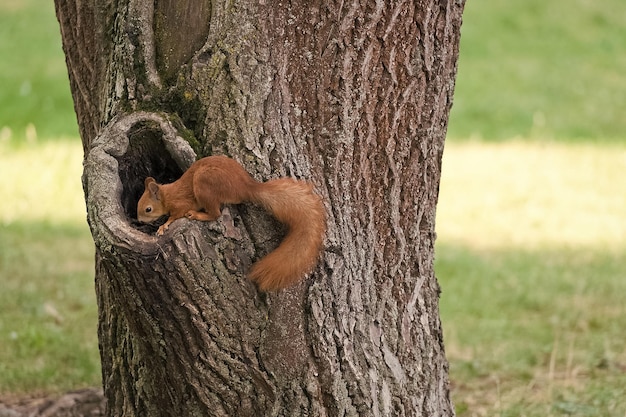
34 91
48 313
541 69
531 254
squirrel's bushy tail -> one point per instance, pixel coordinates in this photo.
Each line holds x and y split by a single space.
295 204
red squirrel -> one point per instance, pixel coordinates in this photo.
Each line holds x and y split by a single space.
215 180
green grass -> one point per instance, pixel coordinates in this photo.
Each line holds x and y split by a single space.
541 69
48 317
47 309
531 257
525 330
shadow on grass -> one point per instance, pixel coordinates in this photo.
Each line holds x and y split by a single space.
538 331
48 312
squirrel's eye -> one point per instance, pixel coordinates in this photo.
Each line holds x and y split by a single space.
148 209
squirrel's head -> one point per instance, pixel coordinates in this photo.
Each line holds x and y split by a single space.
150 206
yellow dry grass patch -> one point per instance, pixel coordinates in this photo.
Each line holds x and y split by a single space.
42 182
529 194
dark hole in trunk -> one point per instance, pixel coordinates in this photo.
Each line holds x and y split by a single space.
146 156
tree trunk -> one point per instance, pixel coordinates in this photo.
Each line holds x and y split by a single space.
354 97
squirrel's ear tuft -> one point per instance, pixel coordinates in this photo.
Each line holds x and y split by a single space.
153 188
149 181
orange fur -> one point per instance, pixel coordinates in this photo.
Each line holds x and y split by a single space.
215 180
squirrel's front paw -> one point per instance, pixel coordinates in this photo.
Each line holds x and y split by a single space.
200 216
191 215
161 230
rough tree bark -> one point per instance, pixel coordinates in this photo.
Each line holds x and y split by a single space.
353 96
